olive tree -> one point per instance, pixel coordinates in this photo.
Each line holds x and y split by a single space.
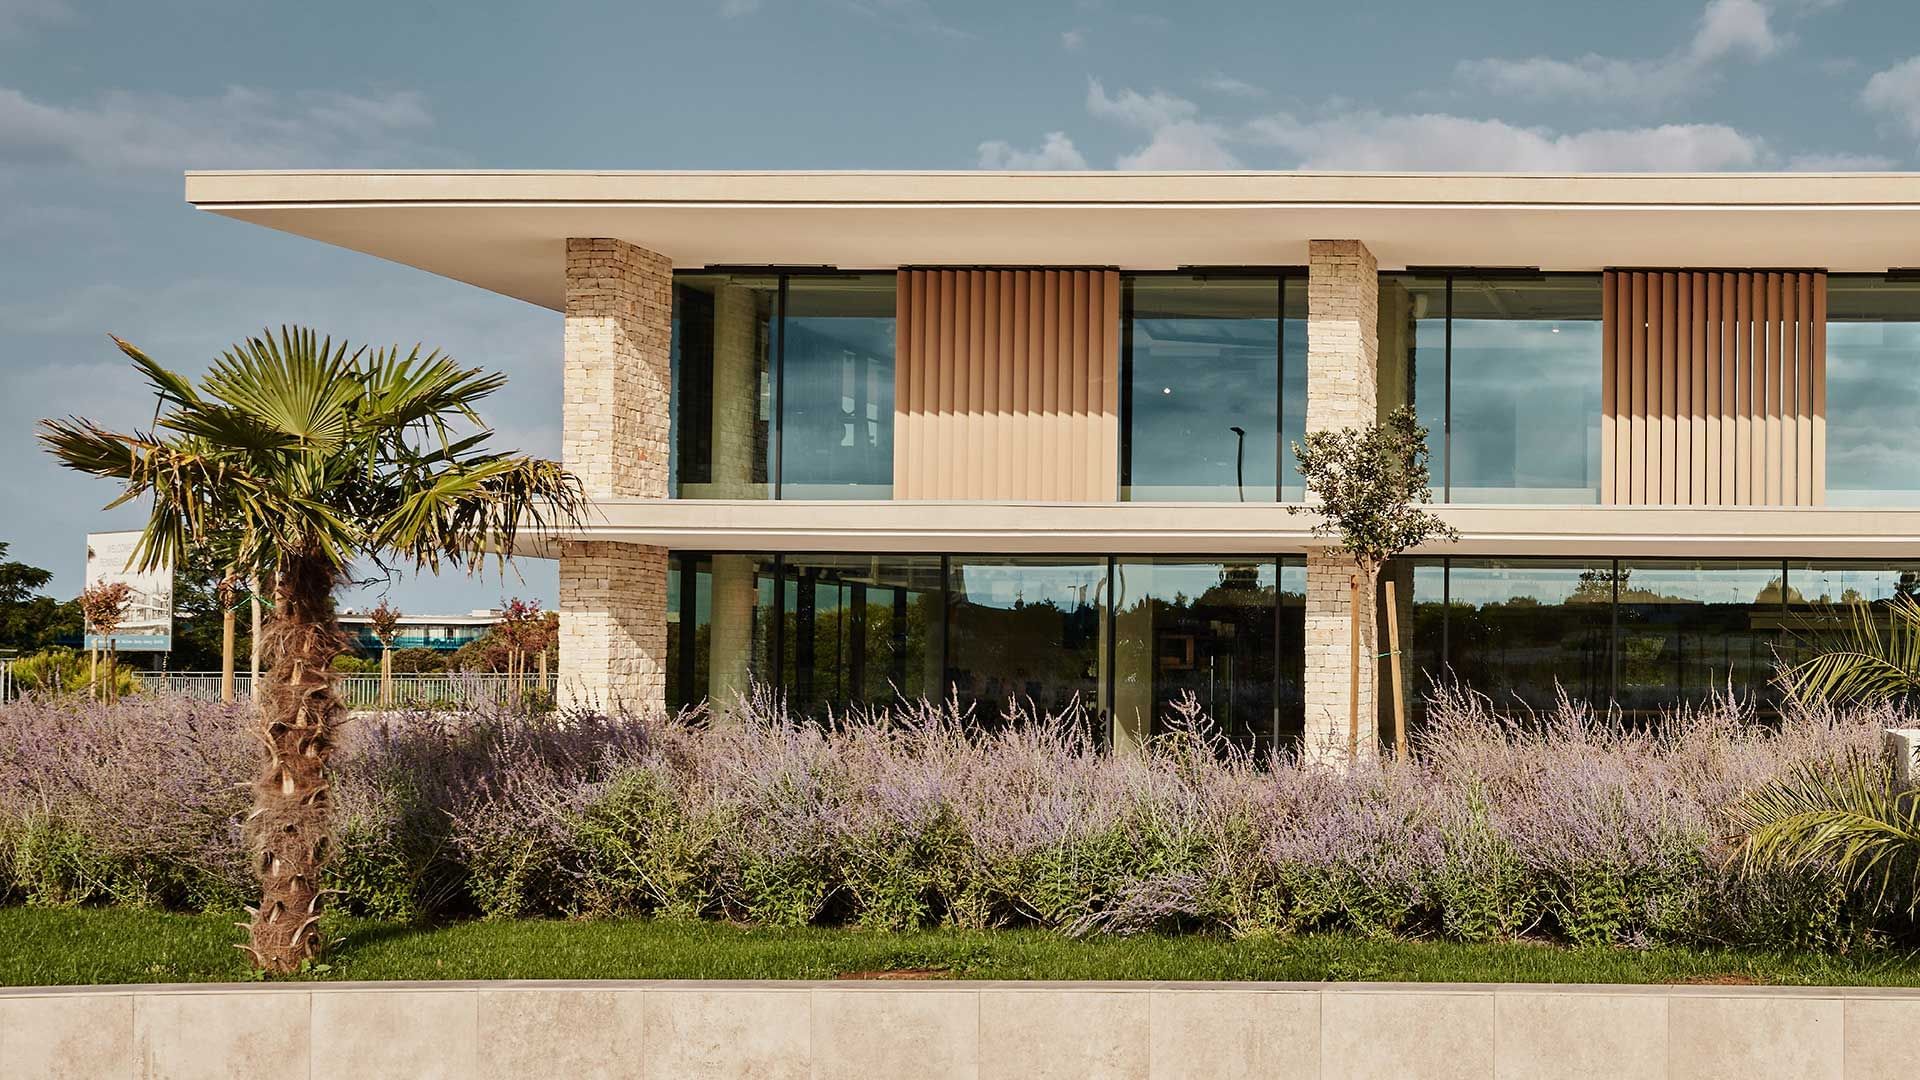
1369 483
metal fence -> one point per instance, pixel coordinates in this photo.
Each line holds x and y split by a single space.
462 690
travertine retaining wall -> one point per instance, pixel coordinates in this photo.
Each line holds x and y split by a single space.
876 1030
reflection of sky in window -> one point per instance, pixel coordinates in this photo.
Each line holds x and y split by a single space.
1136 580
1193 381
1480 585
1003 585
1526 406
1873 410
1708 585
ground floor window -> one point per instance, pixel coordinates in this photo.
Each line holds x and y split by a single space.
1120 640
1116 641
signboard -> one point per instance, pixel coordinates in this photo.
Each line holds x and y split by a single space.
148 623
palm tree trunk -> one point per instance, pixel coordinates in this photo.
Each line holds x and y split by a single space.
290 829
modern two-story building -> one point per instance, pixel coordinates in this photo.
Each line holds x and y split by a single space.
990 436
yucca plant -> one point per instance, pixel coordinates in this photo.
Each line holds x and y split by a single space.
297 458
1861 662
1846 817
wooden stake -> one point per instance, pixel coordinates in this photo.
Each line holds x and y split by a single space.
1353 668
1399 692
227 626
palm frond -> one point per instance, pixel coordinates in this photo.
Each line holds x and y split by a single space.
479 507
299 386
1860 662
1846 818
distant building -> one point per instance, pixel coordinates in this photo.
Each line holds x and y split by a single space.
442 633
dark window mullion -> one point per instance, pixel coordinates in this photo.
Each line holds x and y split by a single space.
1446 421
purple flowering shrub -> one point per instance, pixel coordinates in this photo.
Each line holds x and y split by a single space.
1567 825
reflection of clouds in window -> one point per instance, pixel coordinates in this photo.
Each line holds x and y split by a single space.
1873 390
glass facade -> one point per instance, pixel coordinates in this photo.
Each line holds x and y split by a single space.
835 632
1646 634
1214 389
1504 372
1228 632
1873 390
782 386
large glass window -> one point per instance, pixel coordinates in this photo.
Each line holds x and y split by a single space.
1504 372
1873 390
1027 629
860 630
720 627
725 329
1228 632
782 386
836 388
1214 386
1690 630
1522 631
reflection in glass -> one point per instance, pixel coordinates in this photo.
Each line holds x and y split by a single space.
720 443
1522 631
1213 395
1690 630
1873 390
1413 358
1027 629
1824 598
720 645
1213 630
1426 649
860 630
1526 390
836 388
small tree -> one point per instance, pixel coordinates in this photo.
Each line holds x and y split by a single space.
104 606
524 629
1368 484
384 620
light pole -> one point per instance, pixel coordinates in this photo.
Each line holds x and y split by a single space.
1240 460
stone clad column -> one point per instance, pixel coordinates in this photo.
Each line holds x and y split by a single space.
613 596
1343 346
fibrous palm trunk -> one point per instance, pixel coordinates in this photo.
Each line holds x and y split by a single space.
289 830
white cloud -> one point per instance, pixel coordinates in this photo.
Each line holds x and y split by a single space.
1184 146
1073 40
1148 112
241 128
1232 87
1371 140
1057 152
1726 30
18 16
1896 93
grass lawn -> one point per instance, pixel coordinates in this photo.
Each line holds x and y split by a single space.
40 946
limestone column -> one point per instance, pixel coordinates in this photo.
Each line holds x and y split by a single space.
1343 344
613 596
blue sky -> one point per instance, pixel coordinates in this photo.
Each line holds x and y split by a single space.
103 105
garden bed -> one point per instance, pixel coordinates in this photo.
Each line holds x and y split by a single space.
46 947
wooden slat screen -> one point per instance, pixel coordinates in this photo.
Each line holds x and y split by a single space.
1007 385
1714 388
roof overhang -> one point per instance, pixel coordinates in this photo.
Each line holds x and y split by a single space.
506 231
1234 528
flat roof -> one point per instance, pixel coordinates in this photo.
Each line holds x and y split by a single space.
505 231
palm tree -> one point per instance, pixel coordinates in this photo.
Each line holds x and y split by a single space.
300 458
1847 818
1861 662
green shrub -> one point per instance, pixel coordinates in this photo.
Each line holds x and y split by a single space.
646 852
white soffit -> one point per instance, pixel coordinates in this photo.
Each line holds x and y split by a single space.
505 231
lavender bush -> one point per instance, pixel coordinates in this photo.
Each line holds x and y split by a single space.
1566 825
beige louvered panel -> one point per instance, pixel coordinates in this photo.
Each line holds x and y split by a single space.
1714 387
1008 385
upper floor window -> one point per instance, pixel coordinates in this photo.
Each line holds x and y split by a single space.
782 386
1504 372
1873 390
1214 387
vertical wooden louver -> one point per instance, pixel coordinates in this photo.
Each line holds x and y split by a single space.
1714 388
1007 385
